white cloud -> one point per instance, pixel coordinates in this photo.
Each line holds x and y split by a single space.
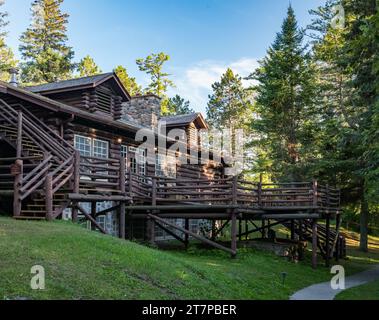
195 82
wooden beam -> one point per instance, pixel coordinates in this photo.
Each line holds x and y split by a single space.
173 234
194 235
314 243
18 169
96 198
233 233
89 217
49 196
186 236
327 240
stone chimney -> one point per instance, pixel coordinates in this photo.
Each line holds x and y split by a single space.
144 110
13 72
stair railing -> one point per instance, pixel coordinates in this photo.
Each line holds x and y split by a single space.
57 167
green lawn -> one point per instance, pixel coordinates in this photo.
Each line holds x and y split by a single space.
368 291
82 264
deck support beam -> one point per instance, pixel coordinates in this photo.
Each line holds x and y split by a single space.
314 243
186 236
233 233
192 234
327 245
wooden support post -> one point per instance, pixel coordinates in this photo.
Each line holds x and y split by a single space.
263 231
240 229
246 230
314 243
186 235
315 193
213 234
76 183
301 238
49 197
234 219
93 214
338 225
150 222
233 233
327 248
19 135
292 229
122 203
18 174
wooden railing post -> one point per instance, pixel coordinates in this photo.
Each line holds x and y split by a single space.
76 183
235 190
17 171
260 191
19 134
150 222
315 193
49 197
314 243
122 182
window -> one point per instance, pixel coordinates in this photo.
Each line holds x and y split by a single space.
83 145
141 154
100 148
165 166
124 151
89 147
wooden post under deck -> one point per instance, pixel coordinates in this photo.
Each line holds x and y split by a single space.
314 243
19 135
122 208
186 235
18 166
49 196
150 222
93 214
327 226
76 183
233 231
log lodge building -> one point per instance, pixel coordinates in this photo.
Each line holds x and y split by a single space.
68 151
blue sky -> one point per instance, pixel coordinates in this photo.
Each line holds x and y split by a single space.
203 37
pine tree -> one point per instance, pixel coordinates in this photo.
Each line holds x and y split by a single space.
177 105
87 67
229 105
7 59
46 56
129 83
159 84
284 98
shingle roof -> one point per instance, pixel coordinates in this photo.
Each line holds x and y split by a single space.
79 82
180 119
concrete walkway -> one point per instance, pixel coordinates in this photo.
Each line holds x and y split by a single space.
323 291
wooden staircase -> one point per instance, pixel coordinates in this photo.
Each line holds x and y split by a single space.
43 166
337 242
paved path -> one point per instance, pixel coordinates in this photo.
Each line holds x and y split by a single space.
323 291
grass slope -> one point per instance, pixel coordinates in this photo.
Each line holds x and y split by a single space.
81 264
368 291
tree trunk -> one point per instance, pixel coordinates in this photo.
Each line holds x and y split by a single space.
363 241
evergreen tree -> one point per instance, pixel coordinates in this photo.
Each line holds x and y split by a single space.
7 59
159 84
229 105
284 97
46 56
129 83
87 67
177 105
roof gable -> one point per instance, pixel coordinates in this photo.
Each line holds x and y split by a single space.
82 83
185 119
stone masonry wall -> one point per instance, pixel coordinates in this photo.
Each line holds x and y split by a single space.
144 110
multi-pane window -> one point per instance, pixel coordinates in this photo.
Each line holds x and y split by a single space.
165 166
124 151
89 147
83 145
141 162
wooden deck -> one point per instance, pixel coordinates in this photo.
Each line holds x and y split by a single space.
45 175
